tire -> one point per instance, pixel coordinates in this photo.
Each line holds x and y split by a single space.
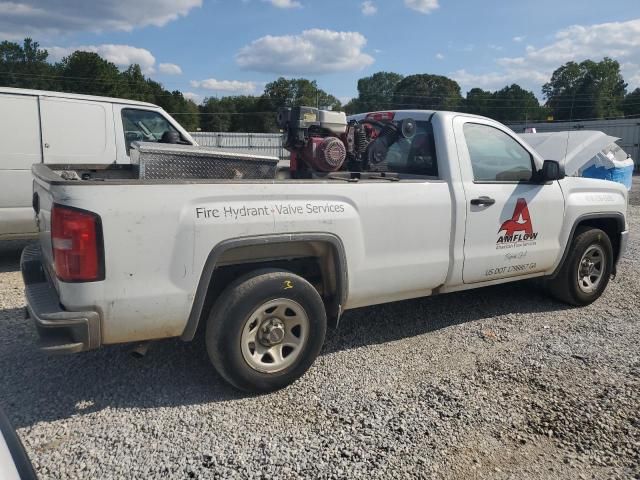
580 290
265 330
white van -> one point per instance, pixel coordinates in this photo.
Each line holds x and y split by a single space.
55 127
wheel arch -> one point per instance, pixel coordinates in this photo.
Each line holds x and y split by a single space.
612 223
233 257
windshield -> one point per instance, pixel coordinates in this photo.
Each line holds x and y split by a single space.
145 126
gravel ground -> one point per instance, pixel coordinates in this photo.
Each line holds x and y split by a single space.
496 383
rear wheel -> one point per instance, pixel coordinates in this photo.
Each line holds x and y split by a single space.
586 271
266 330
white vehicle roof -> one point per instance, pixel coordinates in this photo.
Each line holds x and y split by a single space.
399 114
422 115
74 96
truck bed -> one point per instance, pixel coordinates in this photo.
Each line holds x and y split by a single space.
61 174
87 174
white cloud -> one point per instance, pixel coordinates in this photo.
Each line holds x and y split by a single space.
312 52
439 56
193 97
369 8
518 39
44 19
496 80
225 86
284 3
121 55
618 40
422 6
170 69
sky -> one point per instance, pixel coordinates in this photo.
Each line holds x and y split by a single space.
234 47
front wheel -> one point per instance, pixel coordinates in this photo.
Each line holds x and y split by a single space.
586 271
266 330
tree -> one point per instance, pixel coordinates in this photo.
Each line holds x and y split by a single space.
241 113
25 66
478 101
136 86
298 92
514 103
375 93
429 92
89 73
586 90
253 115
215 114
185 110
284 92
631 104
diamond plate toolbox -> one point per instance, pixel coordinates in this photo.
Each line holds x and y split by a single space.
168 161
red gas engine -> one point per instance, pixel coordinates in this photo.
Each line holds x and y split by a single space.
322 141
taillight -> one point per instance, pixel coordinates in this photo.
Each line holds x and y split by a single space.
76 239
381 116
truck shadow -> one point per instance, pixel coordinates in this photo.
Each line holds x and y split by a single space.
35 387
10 251
395 321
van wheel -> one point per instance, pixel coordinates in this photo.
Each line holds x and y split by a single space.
265 330
586 271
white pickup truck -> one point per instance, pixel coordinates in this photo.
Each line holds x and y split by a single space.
263 266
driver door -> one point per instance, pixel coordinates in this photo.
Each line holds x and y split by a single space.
513 222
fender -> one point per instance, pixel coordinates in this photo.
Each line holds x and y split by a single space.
210 265
617 216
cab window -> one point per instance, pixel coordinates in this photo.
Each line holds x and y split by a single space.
147 126
495 156
414 156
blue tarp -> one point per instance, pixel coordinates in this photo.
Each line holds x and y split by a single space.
622 175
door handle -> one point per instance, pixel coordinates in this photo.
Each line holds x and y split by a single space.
483 201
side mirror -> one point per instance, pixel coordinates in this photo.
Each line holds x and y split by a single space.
551 170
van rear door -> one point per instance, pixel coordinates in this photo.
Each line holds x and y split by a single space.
77 131
19 149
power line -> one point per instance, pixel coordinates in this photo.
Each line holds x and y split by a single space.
124 81
623 117
72 77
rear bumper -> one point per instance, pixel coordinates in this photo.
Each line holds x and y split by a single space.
60 331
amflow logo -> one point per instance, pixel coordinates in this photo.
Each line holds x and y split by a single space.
518 228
